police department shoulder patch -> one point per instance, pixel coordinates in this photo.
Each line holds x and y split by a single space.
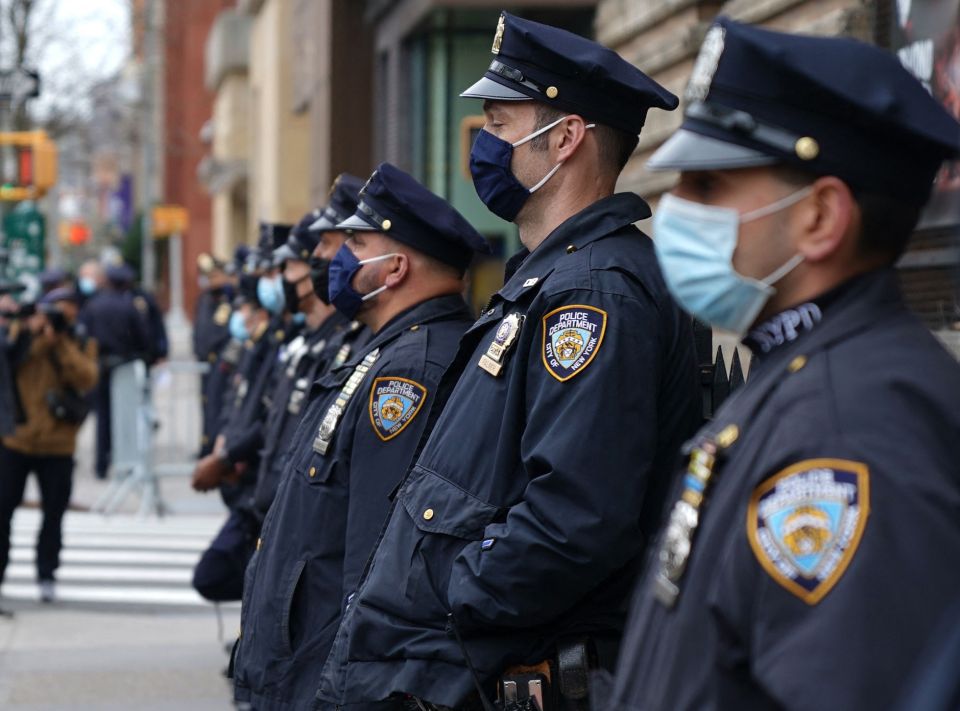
572 335
394 402
804 523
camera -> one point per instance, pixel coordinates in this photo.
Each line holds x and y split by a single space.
56 317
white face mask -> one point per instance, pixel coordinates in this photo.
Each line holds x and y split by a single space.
695 244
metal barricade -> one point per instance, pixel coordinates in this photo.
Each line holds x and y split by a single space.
145 447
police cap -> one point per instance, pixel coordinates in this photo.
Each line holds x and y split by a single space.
121 273
342 203
61 293
52 277
394 203
829 105
241 254
246 290
301 241
272 236
569 72
207 263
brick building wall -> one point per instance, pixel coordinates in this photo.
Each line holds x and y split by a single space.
187 104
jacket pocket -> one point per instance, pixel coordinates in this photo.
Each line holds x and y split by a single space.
437 505
316 470
445 519
293 582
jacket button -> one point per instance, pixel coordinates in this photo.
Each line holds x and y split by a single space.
259 543
797 364
313 471
571 249
428 514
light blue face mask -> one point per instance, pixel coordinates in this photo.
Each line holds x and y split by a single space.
270 293
86 285
238 327
695 244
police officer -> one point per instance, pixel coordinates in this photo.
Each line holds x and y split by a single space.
525 514
211 321
401 273
233 464
327 335
217 382
117 325
812 545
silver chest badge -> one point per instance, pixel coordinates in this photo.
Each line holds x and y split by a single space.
503 341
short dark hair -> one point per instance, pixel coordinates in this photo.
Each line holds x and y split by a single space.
615 146
886 223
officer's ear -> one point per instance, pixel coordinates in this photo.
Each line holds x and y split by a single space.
826 223
569 135
398 267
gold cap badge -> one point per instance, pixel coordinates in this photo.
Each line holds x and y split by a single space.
498 38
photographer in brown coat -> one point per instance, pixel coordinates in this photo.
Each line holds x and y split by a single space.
54 366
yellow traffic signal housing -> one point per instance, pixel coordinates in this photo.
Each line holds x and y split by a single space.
36 164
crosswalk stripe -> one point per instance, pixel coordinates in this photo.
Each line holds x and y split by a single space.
132 557
118 595
72 539
114 561
111 573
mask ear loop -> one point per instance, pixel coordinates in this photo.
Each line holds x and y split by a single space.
549 175
380 290
776 206
773 207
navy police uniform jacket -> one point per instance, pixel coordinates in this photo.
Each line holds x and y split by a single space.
211 324
216 391
112 319
244 418
827 553
307 358
158 346
330 506
527 509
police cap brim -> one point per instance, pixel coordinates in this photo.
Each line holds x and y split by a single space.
688 150
321 225
356 223
489 89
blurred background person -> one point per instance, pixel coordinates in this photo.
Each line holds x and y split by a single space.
53 367
122 335
90 280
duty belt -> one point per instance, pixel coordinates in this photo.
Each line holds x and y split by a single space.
330 421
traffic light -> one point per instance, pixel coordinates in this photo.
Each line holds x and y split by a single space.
28 161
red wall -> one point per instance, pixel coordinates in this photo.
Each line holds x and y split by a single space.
187 105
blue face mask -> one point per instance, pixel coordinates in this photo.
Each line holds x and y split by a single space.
493 179
695 244
87 286
238 327
299 318
343 266
270 293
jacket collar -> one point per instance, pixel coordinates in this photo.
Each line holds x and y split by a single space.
849 309
436 309
602 218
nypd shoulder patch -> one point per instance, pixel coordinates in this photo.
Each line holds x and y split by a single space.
394 402
805 523
572 335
